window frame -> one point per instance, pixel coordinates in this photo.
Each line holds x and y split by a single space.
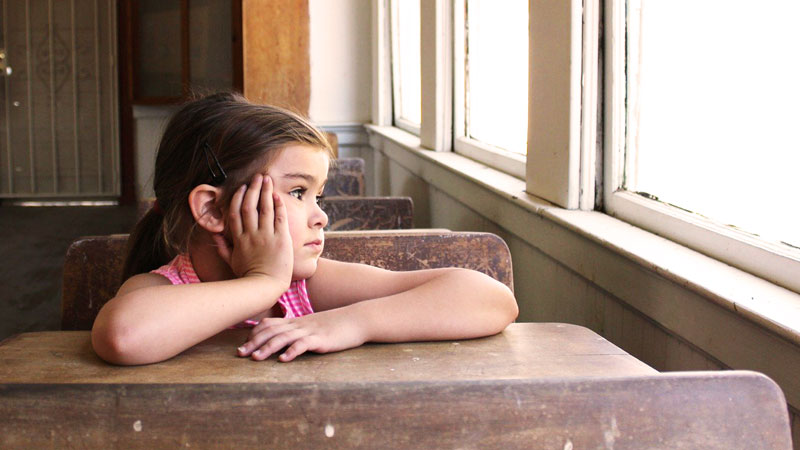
773 262
501 159
398 120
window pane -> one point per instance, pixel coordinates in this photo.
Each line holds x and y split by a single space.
717 110
406 61
497 73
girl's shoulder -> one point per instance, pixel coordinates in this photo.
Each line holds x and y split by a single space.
142 280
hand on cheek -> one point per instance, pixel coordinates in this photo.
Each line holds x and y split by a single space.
259 243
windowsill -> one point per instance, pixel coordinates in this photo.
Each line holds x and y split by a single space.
763 303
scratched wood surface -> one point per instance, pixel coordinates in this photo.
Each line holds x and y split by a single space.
346 178
690 410
523 350
93 265
368 213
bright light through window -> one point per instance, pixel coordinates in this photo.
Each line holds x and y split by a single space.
497 73
406 61
718 97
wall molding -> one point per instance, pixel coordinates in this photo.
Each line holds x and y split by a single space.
349 135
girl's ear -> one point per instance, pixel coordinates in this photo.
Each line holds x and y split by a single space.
203 203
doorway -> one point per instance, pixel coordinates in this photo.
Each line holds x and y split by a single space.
59 126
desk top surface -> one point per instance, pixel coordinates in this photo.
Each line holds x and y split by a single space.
523 350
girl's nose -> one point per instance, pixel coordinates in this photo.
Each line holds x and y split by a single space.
318 217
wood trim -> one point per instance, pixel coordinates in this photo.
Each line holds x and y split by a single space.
126 138
186 63
236 42
554 86
132 56
276 53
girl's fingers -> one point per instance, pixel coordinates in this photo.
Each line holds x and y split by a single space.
235 212
250 203
299 347
276 343
265 206
266 323
281 221
259 337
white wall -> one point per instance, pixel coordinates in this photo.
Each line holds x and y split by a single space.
148 126
341 67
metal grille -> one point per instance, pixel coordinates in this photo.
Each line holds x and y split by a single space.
58 101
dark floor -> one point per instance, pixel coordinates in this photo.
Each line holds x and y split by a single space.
33 244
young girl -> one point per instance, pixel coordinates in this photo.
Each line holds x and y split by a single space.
235 237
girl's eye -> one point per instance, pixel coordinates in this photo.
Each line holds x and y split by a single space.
298 193
319 199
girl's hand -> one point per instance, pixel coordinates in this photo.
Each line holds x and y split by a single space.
322 332
259 228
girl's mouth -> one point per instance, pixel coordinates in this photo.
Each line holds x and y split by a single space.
316 244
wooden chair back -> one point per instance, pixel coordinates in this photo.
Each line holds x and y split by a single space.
93 265
690 410
368 213
353 213
346 178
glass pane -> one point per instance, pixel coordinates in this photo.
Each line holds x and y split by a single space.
159 41
717 111
210 56
497 73
406 59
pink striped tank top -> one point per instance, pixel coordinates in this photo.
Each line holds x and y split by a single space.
294 302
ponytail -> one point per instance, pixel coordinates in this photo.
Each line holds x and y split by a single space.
146 248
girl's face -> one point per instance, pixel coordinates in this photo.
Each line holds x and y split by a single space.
299 174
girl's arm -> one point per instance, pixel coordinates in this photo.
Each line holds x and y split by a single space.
360 303
150 320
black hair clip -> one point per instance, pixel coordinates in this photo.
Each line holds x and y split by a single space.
216 178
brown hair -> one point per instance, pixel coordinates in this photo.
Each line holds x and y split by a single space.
242 136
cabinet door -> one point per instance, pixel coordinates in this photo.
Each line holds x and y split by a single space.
181 46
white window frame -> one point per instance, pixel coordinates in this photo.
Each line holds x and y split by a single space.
400 122
773 262
557 146
501 159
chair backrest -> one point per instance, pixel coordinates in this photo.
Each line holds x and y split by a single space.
353 213
346 179
93 265
368 213
690 410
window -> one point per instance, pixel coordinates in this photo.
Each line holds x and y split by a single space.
406 67
491 82
705 152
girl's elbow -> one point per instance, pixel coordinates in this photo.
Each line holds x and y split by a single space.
505 305
501 300
511 306
114 342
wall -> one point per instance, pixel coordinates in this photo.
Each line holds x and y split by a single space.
341 65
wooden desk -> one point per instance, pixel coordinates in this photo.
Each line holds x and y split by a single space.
523 350
54 392
536 385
